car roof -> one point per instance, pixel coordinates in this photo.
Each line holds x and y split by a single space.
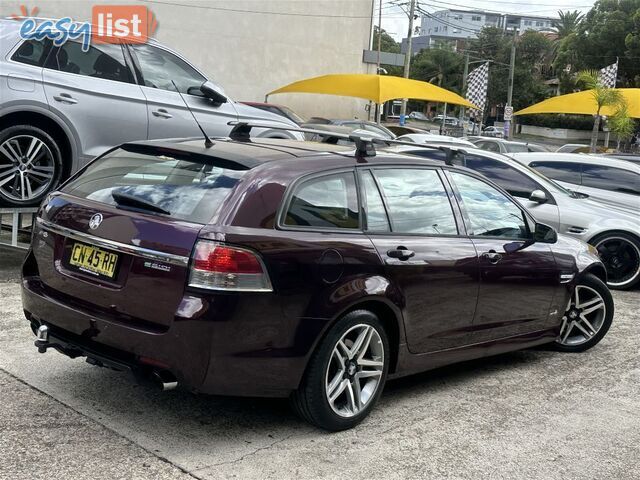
258 151
575 158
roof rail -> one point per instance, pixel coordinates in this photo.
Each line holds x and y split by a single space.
365 144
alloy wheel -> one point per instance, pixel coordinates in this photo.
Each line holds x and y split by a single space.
354 370
621 259
27 168
585 315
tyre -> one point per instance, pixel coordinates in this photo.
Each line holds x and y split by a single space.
620 253
346 374
30 165
588 316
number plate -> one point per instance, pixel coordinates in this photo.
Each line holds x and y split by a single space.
93 260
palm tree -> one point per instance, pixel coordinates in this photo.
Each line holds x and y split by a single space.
603 96
567 22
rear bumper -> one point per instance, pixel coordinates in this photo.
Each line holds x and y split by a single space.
214 346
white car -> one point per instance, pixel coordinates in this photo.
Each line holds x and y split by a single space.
608 180
615 232
493 132
430 138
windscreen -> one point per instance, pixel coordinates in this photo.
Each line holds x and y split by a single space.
183 187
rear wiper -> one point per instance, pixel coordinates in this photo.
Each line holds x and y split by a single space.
133 201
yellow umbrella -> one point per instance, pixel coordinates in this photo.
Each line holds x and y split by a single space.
583 103
377 88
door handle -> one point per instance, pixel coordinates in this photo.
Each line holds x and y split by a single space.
493 256
161 112
65 98
401 253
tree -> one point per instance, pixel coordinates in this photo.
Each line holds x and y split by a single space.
387 43
603 96
567 23
439 66
621 125
609 30
532 66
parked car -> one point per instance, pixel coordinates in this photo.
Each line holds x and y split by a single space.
398 130
492 132
281 268
418 116
60 107
507 146
615 232
278 110
629 157
579 148
448 121
606 179
353 124
428 138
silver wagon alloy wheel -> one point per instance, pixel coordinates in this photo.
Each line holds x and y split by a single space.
621 259
354 371
27 167
584 317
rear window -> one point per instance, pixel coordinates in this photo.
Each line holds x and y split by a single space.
32 52
330 201
190 188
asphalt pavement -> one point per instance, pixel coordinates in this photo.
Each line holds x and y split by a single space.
534 414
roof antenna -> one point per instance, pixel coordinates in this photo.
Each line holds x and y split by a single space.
207 141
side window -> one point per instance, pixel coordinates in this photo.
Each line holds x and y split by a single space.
330 201
377 220
491 213
490 146
160 67
32 52
104 61
513 181
610 178
416 201
561 171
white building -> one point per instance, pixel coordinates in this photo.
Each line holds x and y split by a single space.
452 26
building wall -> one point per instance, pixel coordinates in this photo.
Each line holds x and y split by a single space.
250 53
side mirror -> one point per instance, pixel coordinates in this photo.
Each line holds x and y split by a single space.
544 234
213 92
538 196
195 91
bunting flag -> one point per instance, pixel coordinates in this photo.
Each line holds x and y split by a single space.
477 83
608 75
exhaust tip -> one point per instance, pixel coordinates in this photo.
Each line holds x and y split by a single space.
165 379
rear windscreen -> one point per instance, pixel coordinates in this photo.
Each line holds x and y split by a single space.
191 188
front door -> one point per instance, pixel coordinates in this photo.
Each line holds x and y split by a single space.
168 115
434 269
516 287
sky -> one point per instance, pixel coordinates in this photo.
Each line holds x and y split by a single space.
395 22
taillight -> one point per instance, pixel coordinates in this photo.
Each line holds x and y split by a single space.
221 267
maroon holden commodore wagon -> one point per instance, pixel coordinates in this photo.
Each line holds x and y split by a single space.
308 270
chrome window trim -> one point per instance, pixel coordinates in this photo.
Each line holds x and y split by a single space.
113 245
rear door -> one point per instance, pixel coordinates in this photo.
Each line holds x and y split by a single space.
124 259
95 91
434 266
168 115
516 287
568 174
611 185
